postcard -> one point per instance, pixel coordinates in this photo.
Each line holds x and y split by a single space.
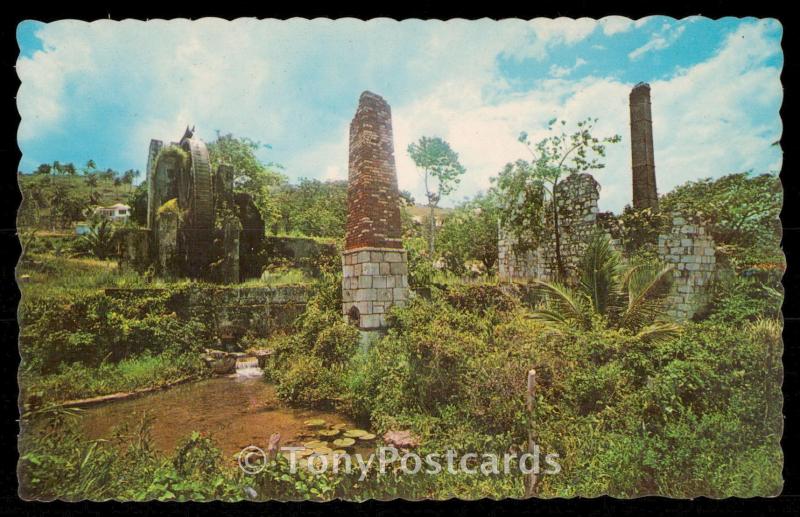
421 259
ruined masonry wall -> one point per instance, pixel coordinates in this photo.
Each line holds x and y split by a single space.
577 208
373 281
691 251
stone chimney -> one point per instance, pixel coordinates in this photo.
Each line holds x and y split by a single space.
375 270
645 194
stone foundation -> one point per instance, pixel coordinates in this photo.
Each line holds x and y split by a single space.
374 280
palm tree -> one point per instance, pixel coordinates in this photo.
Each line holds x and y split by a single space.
100 239
91 182
609 295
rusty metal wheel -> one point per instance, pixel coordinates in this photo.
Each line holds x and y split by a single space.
195 196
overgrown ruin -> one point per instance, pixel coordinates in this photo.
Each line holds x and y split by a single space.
686 244
375 270
197 226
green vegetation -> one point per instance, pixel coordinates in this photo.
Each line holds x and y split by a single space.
441 172
609 296
78 381
54 198
633 403
530 188
742 212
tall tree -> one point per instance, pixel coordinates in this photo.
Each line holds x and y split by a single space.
69 169
470 233
442 172
250 174
527 186
43 169
89 167
91 182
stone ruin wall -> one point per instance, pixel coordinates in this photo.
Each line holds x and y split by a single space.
692 253
688 247
577 198
374 263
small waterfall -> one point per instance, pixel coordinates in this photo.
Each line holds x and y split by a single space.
248 367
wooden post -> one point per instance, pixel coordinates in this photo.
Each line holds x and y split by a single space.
532 478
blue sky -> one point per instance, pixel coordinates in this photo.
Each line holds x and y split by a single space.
101 90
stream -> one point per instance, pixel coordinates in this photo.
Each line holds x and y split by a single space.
235 411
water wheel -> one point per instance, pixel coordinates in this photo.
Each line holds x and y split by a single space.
195 198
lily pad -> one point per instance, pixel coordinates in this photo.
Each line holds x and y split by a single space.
339 451
328 432
322 450
313 444
368 436
344 442
340 427
355 433
305 452
315 422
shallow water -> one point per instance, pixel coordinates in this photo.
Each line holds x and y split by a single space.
234 411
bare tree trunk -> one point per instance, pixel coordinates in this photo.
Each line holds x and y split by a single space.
532 478
431 236
557 231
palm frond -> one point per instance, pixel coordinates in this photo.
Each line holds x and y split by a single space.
659 332
599 270
563 305
647 286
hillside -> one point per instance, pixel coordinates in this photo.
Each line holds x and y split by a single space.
55 202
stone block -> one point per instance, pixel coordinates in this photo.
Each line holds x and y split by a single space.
399 268
385 268
376 256
379 282
363 256
364 282
365 295
393 256
369 269
383 295
370 321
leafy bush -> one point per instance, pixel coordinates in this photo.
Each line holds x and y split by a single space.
91 327
307 366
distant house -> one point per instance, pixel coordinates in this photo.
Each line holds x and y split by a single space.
118 213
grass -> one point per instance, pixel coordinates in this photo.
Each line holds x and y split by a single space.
282 276
77 381
446 278
58 275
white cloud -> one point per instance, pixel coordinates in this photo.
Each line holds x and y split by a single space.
616 24
659 40
563 71
547 33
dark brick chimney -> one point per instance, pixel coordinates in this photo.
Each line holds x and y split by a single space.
643 164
